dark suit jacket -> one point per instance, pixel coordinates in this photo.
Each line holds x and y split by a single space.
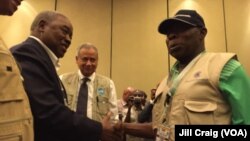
53 121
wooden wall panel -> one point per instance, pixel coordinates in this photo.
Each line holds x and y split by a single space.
238 29
139 51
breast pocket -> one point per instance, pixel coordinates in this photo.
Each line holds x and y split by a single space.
9 76
11 89
200 112
11 138
102 105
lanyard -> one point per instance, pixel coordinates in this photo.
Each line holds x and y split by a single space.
175 84
178 79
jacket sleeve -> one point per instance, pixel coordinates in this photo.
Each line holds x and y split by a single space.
235 85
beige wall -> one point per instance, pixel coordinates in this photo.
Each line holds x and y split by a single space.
131 50
139 53
238 29
15 29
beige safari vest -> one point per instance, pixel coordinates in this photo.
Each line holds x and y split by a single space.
197 99
101 95
16 121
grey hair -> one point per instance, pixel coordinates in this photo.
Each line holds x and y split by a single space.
86 46
47 16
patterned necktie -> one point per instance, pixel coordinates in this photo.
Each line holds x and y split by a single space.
83 98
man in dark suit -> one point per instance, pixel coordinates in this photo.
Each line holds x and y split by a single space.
51 34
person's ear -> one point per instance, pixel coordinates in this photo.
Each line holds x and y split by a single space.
203 33
41 25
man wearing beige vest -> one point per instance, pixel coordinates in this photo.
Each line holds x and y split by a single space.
101 94
201 88
16 121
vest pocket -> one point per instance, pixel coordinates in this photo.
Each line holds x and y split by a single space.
11 138
200 112
11 131
102 105
6 98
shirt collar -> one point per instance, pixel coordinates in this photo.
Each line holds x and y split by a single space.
174 69
81 76
52 56
174 72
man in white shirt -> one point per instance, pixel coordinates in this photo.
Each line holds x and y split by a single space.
101 96
123 102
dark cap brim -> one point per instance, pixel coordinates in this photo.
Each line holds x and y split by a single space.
168 23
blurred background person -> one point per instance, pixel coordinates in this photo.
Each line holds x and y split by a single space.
146 114
123 103
135 103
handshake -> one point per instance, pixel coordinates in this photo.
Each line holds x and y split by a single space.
116 132
111 132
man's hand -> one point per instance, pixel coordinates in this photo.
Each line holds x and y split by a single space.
108 131
118 126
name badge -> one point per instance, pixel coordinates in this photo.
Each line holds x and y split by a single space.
163 133
100 91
